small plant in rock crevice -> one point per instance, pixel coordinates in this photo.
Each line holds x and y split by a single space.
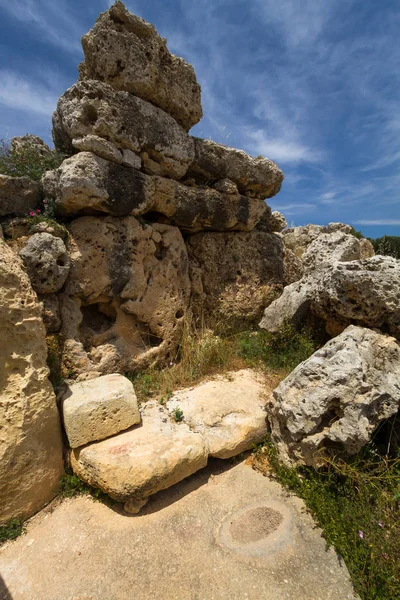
177 413
11 530
71 486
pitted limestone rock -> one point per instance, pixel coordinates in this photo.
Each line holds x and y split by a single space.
127 295
228 413
336 398
92 108
47 261
99 408
18 195
127 53
298 239
260 178
133 465
30 441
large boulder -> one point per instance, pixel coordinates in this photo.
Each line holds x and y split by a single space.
30 436
88 184
328 248
229 413
127 53
235 276
133 465
99 408
47 262
127 294
28 143
337 398
298 239
18 195
362 292
258 177
92 108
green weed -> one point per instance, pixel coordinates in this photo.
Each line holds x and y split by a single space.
177 414
11 530
28 161
71 486
356 503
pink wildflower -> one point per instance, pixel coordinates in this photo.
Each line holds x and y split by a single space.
32 214
380 524
38 210
361 534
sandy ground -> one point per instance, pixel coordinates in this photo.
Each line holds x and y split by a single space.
226 533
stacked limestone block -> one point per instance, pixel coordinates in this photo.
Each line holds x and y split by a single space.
135 192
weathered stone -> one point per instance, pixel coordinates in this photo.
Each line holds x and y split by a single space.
92 108
298 239
130 159
86 183
365 292
278 221
47 262
30 437
197 208
133 465
99 408
226 186
254 177
18 195
235 276
366 249
337 398
29 142
51 312
127 53
126 296
328 248
293 267
228 413
99 146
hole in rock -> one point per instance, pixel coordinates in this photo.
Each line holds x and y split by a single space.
179 314
97 319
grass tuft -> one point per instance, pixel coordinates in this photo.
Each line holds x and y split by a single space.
356 503
11 530
71 486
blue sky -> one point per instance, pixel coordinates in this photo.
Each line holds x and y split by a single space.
311 84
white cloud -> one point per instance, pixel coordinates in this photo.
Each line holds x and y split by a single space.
51 17
19 93
281 150
377 222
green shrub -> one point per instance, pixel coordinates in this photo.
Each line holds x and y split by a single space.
28 161
11 530
388 245
71 486
284 349
356 503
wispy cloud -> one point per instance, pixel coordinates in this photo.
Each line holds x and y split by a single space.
377 222
22 94
281 150
52 18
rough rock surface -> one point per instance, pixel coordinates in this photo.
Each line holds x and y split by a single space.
337 398
298 239
197 208
126 296
86 183
366 249
18 195
362 292
127 53
47 261
51 312
278 221
235 276
328 248
30 437
133 465
260 178
99 408
228 413
92 108
29 142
